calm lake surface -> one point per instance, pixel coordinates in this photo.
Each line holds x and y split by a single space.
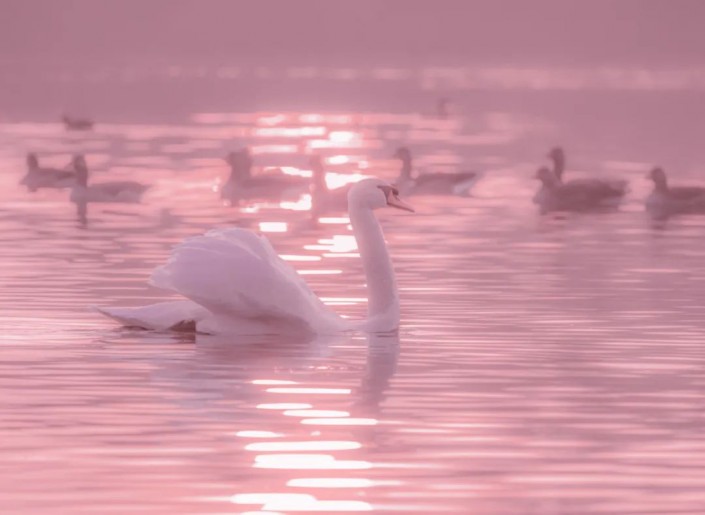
544 365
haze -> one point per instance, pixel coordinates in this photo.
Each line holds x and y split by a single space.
545 32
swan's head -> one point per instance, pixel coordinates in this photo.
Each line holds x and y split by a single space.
659 177
32 160
403 153
374 194
546 176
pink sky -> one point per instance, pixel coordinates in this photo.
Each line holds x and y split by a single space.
380 31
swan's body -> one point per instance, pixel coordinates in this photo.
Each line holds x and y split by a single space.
38 177
587 187
585 195
323 199
666 200
235 283
114 191
242 185
77 124
458 183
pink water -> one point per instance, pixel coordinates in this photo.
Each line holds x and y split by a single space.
544 364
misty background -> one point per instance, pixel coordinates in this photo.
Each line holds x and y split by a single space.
545 32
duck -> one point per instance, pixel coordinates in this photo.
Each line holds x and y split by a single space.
666 200
39 177
557 156
323 199
588 195
458 183
241 184
114 191
233 282
77 124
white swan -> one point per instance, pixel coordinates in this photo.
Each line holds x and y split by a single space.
39 177
114 191
235 283
458 183
241 184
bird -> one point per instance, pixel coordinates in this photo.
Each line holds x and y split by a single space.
234 282
557 156
323 199
114 191
77 124
38 177
667 200
574 196
458 183
242 185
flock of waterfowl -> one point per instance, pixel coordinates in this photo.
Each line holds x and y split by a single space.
554 194
233 282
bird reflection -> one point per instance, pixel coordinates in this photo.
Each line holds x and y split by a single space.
382 358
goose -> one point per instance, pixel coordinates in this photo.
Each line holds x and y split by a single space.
235 283
38 177
667 200
574 196
432 183
241 184
557 156
323 199
77 124
115 191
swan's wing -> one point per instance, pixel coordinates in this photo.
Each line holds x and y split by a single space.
163 316
236 274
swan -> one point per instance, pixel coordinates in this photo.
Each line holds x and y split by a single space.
77 124
241 183
458 183
557 156
235 283
323 199
667 200
115 191
39 177
574 196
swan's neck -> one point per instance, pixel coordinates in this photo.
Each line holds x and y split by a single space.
383 299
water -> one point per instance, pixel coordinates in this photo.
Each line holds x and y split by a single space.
544 364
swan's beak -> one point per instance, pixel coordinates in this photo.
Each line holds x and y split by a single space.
394 201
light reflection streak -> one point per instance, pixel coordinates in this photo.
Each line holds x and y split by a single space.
316 413
273 226
272 381
339 482
285 406
303 446
258 434
321 391
308 462
340 421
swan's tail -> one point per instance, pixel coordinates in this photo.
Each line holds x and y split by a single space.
163 316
